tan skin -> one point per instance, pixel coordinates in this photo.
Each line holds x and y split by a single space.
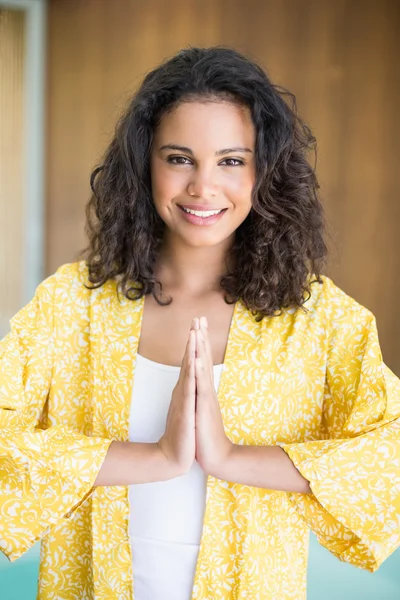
205 177
192 162
165 330
212 162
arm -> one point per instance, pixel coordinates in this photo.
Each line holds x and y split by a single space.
347 476
45 474
354 507
48 472
127 463
262 466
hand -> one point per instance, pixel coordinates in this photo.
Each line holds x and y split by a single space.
213 447
178 442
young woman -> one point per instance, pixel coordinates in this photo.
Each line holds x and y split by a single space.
182 405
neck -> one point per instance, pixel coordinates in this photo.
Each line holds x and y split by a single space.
191 271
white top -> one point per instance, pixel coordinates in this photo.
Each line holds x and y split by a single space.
166 517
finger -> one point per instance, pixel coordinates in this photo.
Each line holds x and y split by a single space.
192 354
207 342
188 371
200 350
205 372
195 325
186 357
190 379
201 387
205 358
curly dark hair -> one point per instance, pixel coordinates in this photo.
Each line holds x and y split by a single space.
278 248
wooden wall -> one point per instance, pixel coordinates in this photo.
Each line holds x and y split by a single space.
339 58
12 154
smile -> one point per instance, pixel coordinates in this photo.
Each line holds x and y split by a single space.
202 213
202 217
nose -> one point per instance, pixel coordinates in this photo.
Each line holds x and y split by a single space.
203 183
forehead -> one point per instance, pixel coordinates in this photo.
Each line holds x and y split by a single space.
207 122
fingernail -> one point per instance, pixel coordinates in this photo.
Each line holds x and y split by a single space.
203 322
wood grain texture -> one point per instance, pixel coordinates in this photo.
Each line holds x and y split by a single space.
12 148
339 59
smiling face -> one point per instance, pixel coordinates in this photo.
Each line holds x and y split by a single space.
203 157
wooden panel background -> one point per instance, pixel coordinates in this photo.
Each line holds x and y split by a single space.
339 58
12 156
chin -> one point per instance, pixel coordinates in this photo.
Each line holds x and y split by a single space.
202 243
199 240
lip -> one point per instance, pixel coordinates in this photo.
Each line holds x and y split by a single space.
204 221
200 207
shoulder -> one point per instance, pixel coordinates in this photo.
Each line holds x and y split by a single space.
344 320
337 304
53 296
63 280
74 273
69 290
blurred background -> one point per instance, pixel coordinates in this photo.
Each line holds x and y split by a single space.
68 69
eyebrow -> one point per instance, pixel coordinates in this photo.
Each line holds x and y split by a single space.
187 150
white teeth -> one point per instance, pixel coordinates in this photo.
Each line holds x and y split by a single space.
202 213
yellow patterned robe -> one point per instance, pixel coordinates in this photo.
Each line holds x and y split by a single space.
313 383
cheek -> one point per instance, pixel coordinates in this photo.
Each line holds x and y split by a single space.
240 189
166 184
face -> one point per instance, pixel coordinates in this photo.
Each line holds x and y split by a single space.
203 159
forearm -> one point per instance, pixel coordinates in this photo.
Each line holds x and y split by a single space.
262 466
127 463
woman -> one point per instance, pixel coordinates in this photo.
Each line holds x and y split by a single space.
181 406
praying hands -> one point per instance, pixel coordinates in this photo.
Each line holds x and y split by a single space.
195 429
213 448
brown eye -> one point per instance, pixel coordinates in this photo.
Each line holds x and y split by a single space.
178 160
233 162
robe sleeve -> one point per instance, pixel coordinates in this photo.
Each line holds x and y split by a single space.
354 472
45 474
